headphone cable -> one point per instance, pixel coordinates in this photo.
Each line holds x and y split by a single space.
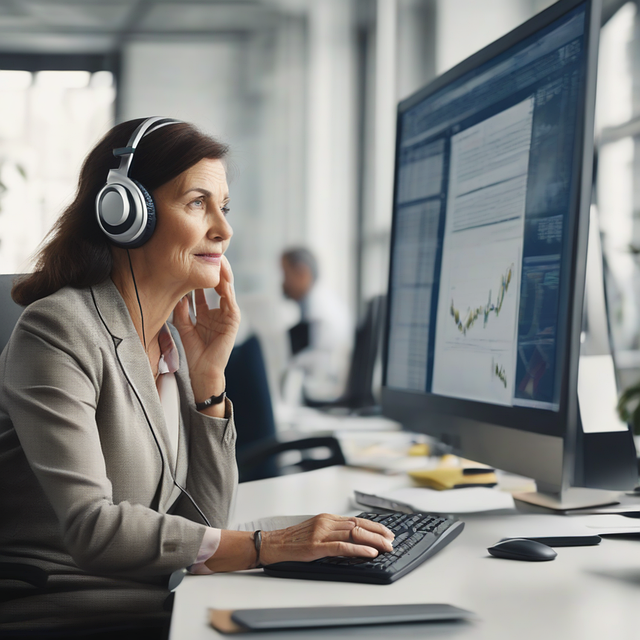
148 420
144 338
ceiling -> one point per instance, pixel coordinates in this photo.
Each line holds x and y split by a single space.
99 26
96 26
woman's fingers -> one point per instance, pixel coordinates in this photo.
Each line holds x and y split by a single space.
226 267
201 302
367 528
360 536
350 550
364 536
181 314
376 527
369 525
225 288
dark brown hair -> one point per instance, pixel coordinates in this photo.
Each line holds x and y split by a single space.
76 253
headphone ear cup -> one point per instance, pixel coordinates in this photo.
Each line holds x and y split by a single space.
151 217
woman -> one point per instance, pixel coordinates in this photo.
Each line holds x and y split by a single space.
117 461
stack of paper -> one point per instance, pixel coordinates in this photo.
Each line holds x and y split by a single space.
609 524
419 499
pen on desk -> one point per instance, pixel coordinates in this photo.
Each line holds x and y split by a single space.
475 471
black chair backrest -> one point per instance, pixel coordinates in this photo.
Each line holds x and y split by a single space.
359 391
248 389
9 310
309 448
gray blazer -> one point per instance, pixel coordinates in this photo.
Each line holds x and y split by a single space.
85 489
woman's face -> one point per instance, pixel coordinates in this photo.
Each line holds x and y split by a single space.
192 231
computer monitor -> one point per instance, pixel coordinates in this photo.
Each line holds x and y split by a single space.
358 396
488 259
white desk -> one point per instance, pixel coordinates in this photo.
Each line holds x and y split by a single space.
585 593
309 420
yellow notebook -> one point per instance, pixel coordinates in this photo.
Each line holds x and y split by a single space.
455 477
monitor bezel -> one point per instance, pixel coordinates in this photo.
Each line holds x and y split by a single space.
442 415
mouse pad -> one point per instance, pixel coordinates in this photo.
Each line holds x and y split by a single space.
552 530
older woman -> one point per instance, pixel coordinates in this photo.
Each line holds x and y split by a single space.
117 463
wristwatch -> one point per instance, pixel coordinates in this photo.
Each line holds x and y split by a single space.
209 402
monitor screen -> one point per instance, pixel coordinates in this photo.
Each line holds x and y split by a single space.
486 174
493 175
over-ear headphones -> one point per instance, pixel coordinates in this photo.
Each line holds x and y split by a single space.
125 209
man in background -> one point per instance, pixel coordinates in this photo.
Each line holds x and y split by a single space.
321 342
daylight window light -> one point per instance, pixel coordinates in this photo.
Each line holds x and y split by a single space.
63 79
14 80
102 79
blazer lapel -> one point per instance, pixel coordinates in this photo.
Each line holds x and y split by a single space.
135 365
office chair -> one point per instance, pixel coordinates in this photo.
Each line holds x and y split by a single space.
258 448
316 452
32 582
9 310
358 395
248 388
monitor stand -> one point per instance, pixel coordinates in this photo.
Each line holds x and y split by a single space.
572 498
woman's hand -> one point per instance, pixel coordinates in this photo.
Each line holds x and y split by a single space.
319 537
209 342
326 535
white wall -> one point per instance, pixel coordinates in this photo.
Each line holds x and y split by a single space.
180 79
465 26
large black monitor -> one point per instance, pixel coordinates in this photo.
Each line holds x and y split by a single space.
488 256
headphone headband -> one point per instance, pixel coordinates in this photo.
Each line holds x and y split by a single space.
126 153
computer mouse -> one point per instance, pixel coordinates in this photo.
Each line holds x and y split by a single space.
522 549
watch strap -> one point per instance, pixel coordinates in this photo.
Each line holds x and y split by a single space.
257 543
209 402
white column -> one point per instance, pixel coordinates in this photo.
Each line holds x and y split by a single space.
386 103
331 171
416 33
465 26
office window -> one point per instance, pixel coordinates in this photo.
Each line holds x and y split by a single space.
48 121
618 198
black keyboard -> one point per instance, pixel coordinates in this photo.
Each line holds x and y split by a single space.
418 537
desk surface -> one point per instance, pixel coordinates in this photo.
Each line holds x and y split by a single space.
308 420
585 593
